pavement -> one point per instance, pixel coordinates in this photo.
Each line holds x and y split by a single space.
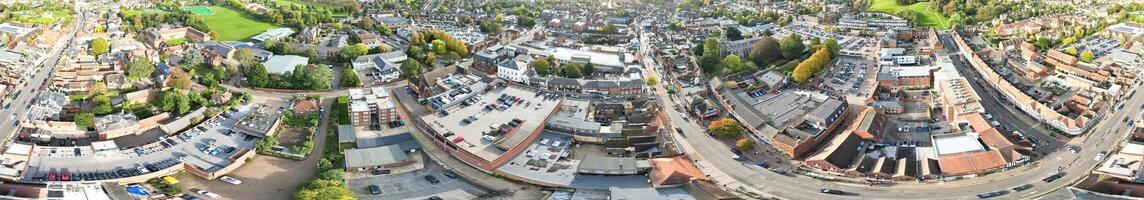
412 184
714 159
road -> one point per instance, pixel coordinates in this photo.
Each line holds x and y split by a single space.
29 90
714 159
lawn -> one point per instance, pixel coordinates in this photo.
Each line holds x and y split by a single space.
307 3
234 25
176 41
926 17
37 16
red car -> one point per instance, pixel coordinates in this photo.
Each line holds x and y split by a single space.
64 176
52 176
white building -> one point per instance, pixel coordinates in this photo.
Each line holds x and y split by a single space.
515 70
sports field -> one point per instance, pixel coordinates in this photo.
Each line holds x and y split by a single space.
234 25
199 10
926 17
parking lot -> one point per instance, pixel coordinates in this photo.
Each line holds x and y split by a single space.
1100 46
205 147
412 184
851 76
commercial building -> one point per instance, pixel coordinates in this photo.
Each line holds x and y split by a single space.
273 34
280 64
375 157
516 69
898 77
794 122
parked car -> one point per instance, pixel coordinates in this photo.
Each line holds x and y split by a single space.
739 158
208 194
374 189
432 180
450 174
1101 155
230 180
380 171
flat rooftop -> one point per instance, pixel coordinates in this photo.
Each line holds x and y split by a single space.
956 143
469 137
542 161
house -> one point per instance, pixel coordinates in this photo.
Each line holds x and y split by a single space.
516 69
384 64
218 54
305 106
368 39
310 35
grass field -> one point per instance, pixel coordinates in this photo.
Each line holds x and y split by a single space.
37 16
926 17
199 10
307 3
234 25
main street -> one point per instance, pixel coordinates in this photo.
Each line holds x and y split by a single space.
30 88
714 158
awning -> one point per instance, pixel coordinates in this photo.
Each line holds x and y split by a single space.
459 139
170 180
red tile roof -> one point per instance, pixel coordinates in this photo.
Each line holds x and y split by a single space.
674 171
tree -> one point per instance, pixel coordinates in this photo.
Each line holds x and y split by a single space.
725 127
1044 43
349 53
589 69
256 75
180 79
322 189
410 68
350 78
213 34
735 64
139 67
791 46
243 55
101 104
709 61
194 57
331 174
99 46
366 23
572 70
745 143
802 72
84 120
541 66
733 34
1086 56
832 45
650 81
765 51
1071 51
96 88
182 103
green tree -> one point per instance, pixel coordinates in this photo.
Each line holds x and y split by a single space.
791 46
349 53
99 46
1071 51
194 57
589 69
139 67
1086 56
83 121
572 70
650 81
350 78
182 103
710 61
322 189
256 75
733 34
832 45
101 104
96 88
410 68
542 67
745 143
765 51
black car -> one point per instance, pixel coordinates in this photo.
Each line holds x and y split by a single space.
432 180
374 189
435 198
991 194
830 191
1023 187
450 174
1053 177
736 151
380 171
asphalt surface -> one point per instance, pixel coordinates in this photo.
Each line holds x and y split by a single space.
29 90
714 159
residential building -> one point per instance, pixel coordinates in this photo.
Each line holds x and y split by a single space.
516 69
